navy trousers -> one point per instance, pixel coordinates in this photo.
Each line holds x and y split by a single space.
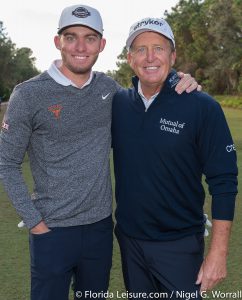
78 254
161 269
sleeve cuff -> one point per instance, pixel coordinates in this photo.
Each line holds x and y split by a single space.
31 222
223 206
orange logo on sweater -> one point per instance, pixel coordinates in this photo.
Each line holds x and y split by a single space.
56 110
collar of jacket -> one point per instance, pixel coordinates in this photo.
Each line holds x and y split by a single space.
170 82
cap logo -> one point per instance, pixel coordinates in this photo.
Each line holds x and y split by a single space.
56 110
81 12
148 22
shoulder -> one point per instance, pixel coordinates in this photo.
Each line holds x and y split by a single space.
203 97
106 80
200 100
124 93
34 82
27 93
123 96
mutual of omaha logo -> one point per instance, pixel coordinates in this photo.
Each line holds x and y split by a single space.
171 126
56 110
173 81
81 12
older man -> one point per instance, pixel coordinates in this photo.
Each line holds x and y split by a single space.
162 145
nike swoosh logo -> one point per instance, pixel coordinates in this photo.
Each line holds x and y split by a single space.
104 97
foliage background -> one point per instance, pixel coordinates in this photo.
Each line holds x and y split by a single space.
16 65
208 38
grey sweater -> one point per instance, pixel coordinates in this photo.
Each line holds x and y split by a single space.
66 133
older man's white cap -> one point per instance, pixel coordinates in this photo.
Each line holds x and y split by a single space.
150 24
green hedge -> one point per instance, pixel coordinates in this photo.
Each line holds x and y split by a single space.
229 101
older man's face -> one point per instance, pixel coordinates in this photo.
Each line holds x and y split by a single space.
151 58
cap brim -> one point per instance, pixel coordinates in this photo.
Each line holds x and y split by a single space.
76 25
131 38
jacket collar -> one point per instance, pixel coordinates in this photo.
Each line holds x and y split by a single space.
169 84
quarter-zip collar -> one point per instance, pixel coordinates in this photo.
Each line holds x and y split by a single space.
147 102
169 84
168 87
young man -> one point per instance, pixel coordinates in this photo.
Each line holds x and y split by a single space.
62 119
162 144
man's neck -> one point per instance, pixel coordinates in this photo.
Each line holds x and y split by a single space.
150 90
78 79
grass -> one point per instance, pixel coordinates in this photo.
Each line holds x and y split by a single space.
230 101
14 255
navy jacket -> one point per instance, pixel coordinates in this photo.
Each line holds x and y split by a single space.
160 156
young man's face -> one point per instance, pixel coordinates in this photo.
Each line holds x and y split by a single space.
151 58
80 47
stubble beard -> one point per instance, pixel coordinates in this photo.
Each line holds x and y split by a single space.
79 70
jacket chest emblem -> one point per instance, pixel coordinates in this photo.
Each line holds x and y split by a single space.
171 126
56 110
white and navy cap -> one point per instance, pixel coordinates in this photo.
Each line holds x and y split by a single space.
81 15
150 24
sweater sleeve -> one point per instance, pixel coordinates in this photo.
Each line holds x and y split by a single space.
14 141
218 154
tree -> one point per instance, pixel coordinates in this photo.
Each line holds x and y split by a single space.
208 38
6 49
225 61
16 65
23 63
124 73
